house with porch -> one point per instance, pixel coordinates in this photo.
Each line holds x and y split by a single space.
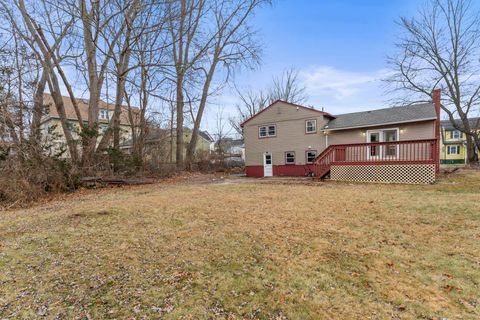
397 144
453 149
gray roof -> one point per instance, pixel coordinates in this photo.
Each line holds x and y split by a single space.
412 113
205 135
447 125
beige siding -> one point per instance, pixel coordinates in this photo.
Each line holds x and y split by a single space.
290 134
408 131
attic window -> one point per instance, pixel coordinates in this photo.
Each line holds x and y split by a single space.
455 134
103 114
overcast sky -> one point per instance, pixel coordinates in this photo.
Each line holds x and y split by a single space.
339 47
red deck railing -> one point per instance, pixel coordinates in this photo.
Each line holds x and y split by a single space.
377 153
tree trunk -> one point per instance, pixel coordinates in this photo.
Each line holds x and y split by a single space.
58 100
37 110
198 119
472 156
179 129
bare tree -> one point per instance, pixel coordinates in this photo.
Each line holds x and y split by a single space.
185 18
58 24
233 44
440 48
221 133
286 87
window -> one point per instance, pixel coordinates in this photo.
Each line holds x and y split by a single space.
311 155
262 132
46 109
453 149
272 131
103 128
71 126
311 126
455 134
103 114
289 157
268 159
267 131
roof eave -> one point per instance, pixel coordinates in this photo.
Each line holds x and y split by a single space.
379 124
325 114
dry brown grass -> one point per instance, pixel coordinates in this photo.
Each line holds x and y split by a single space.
247 250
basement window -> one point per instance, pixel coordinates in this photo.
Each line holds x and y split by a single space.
290 157
311 155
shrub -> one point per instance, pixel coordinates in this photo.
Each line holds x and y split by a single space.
27 174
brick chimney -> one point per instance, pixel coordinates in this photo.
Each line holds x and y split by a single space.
436 98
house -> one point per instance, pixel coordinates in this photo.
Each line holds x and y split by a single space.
231 147
453 147
160 144
231 151
398 144
51 127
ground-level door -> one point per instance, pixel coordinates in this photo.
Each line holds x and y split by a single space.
267 164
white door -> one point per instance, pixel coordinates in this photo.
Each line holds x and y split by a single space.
373 151
383 152
267 164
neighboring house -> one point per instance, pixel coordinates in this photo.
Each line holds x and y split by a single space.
51 127
232 151
231 147
205 143
160 144
453 147
398 144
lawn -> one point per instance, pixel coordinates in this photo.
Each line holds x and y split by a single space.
241 249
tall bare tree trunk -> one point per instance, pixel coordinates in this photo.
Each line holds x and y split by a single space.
198 119
179 130
37 110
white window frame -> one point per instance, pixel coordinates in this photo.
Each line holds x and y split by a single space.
267 131
306 156
314 126
286 157
457 150
456 134
381 136
102 113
